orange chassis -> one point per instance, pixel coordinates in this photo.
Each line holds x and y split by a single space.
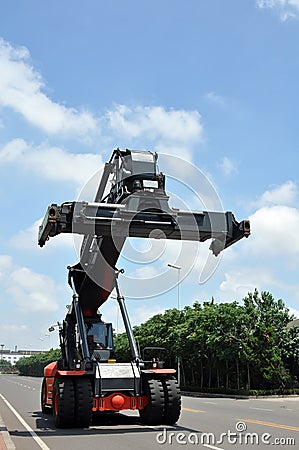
116 401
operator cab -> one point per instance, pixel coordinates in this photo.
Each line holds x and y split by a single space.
99 339
134 171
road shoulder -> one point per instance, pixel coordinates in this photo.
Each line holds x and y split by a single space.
6 442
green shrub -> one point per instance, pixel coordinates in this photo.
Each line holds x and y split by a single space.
34 365
245 392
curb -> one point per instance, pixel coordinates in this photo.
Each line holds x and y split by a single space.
209 395
235 396
6 442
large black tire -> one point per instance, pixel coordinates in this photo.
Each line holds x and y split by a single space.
44 407
64 403
153 413
83 402
172 394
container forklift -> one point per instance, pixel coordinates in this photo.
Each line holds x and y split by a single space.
87 379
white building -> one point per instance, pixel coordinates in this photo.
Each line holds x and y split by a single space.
14 356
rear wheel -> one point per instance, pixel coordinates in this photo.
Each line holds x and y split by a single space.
172 408
153 413
44 407
64 403
83 402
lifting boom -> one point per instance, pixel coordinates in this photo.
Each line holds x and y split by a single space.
136 206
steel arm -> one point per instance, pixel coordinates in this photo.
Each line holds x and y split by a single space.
102 219
136 206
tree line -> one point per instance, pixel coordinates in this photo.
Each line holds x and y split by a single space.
34 365
221 346
225 345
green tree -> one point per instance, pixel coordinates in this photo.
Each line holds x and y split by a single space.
263 339
6 366
34 365
228 345
122 351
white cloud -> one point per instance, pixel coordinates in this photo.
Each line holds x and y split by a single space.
29 290
155 278
156 122
21 89
167 128
144 313
146 272
32 291
286 9
12 328
27 239
184 151
275 224
238 283
285 194
275 232
51 162
270 257
138 313
228 167
294 311
6 266
182 174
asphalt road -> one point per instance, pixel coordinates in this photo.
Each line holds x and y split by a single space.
215 423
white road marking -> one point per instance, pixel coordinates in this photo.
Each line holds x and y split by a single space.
212 447
211 403
23 385
37 439
260 409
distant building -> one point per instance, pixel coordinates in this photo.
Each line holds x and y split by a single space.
293 323
14 356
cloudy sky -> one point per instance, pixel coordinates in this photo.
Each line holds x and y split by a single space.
212 86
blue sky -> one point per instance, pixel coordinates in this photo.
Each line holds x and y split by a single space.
212 82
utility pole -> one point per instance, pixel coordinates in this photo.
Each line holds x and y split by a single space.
178 268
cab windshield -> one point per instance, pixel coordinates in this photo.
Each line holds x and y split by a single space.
100 334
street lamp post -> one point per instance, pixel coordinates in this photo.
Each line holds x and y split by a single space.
178 268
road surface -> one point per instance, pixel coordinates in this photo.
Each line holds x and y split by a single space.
215 423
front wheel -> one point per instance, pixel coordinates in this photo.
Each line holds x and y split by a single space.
172 393
83 402
64 403
153 412
44 407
